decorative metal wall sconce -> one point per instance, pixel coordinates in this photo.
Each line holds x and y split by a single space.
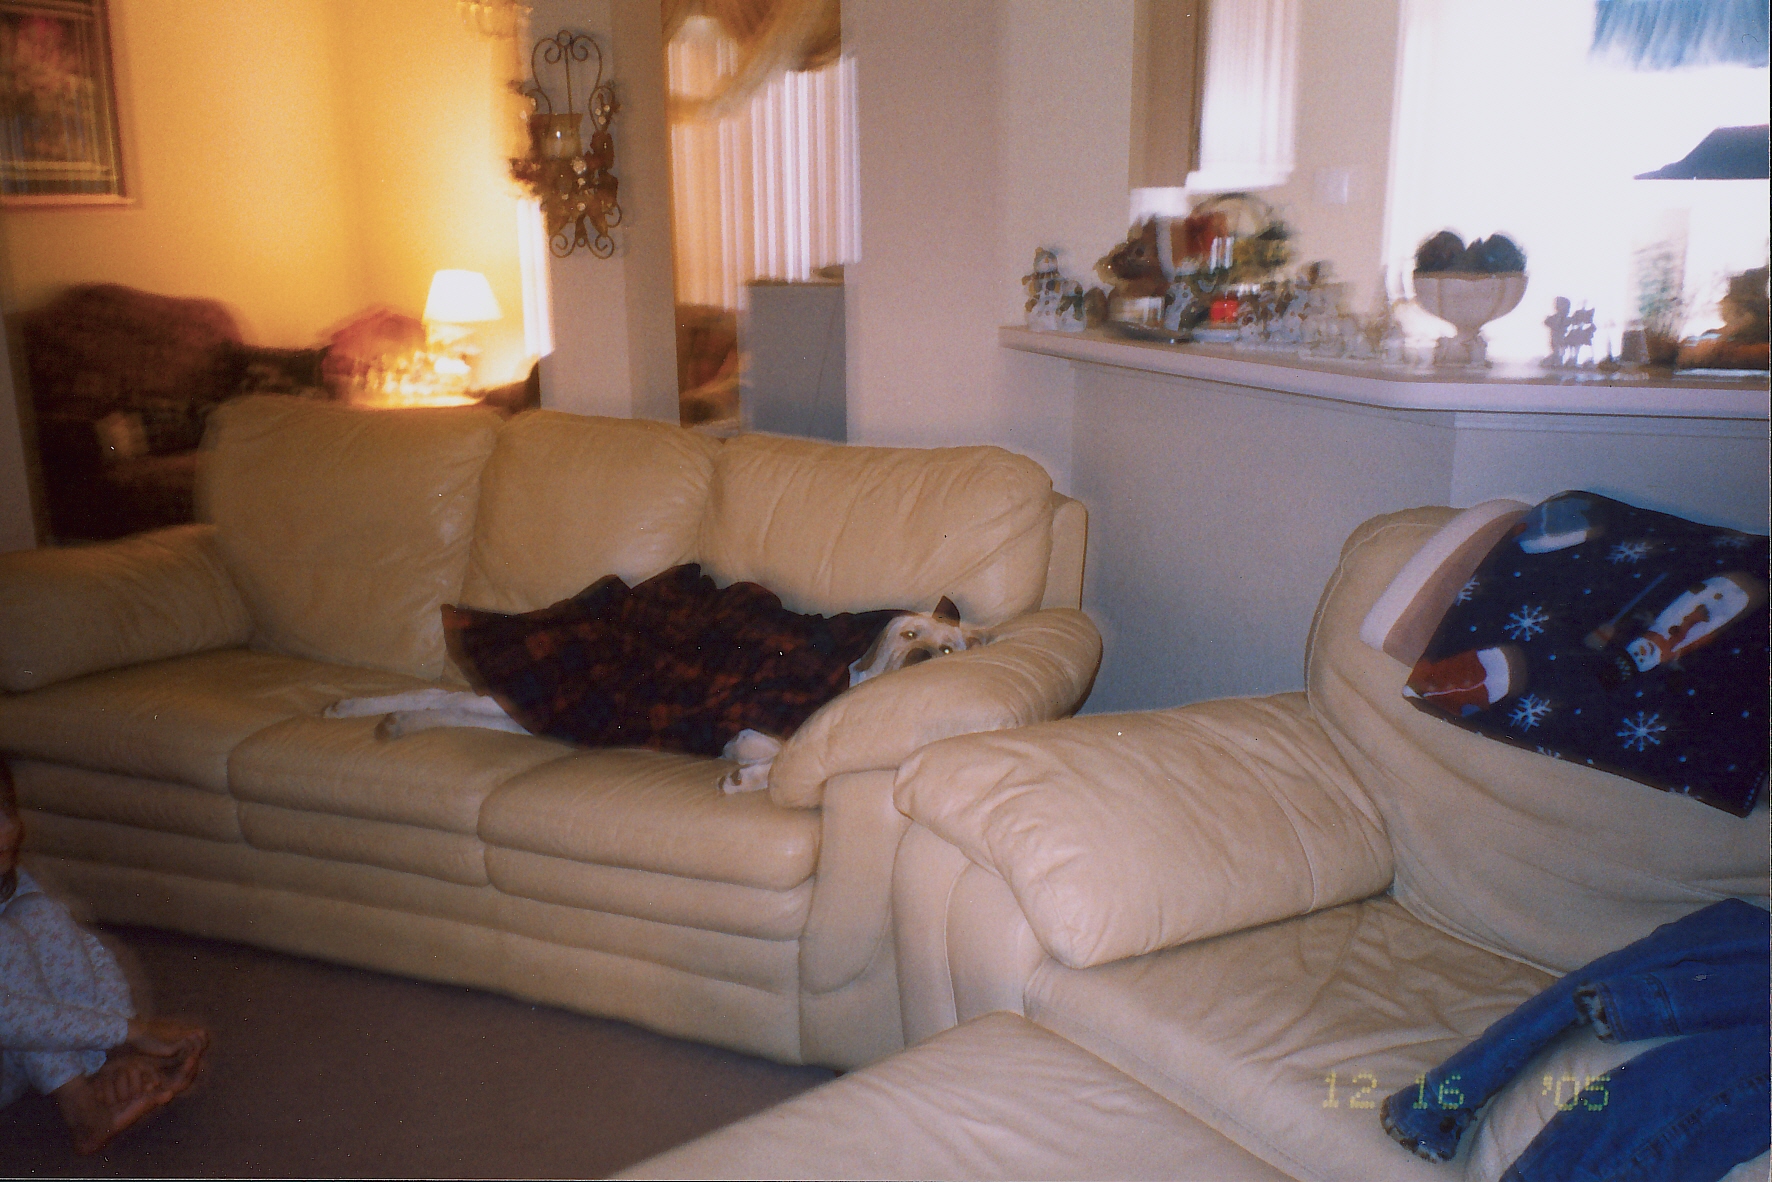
574 185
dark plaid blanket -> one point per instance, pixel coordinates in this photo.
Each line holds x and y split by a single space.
674 663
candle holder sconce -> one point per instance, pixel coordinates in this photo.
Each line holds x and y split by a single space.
574 184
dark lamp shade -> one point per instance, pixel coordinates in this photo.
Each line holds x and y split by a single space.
1726 154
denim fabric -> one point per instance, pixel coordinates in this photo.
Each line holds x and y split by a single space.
1689 998
1430 1117
1686 1111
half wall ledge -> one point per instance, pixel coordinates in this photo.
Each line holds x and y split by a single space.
1517 389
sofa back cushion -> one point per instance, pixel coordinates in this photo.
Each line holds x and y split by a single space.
346 529
831 528
567 499
1535 857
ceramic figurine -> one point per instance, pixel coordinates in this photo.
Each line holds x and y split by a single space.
1183 309
1570 333
1044 288
1072 315
1393 346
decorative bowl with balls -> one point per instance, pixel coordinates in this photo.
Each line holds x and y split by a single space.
1468 286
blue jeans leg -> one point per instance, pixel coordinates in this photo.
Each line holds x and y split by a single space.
1684 1112
1430 1117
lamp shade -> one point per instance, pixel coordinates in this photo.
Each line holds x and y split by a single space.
1726 154
461 297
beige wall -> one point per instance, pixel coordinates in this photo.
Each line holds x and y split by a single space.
232 153
987 128
299 161
1347 57
427 150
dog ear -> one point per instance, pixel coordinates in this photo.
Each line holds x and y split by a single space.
868 664
946 612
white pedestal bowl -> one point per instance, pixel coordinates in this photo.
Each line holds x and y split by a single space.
1467 301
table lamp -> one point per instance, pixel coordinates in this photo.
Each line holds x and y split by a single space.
457 301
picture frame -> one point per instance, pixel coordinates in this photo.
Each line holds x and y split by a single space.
60 143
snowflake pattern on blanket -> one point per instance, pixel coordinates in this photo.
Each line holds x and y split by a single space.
1626 639
674 663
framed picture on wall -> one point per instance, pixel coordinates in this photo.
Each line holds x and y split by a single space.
59 143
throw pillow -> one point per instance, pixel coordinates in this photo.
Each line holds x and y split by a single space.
1630 640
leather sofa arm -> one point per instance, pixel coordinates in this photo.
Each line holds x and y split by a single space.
68 612
1039 667
1120 834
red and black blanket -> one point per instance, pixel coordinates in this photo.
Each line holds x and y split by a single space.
675 663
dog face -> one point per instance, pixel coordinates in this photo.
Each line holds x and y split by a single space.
914 638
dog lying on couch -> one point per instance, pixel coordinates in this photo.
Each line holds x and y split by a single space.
674 663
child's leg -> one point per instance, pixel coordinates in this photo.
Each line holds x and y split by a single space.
63 964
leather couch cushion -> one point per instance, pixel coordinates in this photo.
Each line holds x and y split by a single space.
74 610
995 1098
448 857
1483 834
346 529
831 528
177 720
566 499
435 779
652 810
643 894
126 800
1124 833
1246 1030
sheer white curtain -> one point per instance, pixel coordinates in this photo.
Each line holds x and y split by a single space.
1505 125
767 191
1247 116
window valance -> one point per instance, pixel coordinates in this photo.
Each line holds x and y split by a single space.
771 37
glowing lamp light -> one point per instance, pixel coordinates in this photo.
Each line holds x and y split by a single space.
457 301
461 297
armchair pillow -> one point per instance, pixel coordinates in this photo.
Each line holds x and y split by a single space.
1120 834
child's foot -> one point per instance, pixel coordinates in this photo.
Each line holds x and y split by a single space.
99 1106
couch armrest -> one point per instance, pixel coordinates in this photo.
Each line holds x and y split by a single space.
1039 667
69 612
849 985
1120 834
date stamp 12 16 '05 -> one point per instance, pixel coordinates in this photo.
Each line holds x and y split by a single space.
1361 1089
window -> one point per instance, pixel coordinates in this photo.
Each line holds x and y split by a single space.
1507 124
767 189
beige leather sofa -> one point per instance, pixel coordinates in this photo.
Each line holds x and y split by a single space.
1205 943
164 692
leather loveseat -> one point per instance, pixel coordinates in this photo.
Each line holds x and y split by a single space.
1206 942
162 712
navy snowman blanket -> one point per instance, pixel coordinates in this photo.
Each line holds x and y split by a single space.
1629 640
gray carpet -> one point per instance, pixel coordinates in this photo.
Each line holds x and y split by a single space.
324 1071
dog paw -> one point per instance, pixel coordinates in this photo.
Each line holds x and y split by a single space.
746 777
